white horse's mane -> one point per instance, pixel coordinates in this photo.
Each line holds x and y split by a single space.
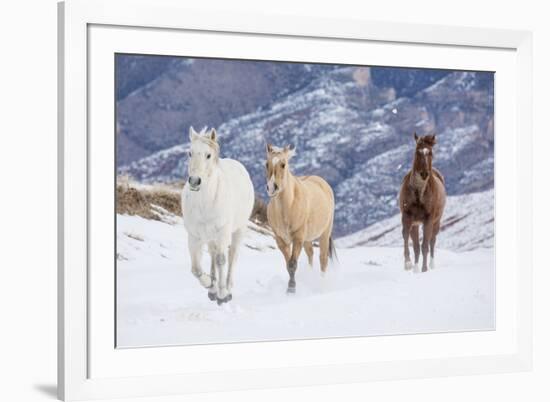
204 137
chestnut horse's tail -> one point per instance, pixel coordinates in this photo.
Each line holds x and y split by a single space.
332 250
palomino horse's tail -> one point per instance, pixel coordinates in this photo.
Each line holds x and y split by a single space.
332 250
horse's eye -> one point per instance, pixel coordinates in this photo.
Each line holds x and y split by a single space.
190 154
266 165
208 156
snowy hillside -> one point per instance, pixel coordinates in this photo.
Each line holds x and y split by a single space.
359 137
159 301
468 223
160 97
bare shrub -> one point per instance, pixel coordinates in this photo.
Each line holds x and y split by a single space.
259 212
130 201
169 200
136 200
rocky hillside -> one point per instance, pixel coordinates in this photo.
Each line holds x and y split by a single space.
159 98
357 133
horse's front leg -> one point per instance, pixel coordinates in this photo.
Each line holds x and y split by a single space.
195 249
222 247
406 223
415 236
284 247
212 291
297 244
426 239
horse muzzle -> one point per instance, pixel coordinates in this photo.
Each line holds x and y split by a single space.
194 183
272 191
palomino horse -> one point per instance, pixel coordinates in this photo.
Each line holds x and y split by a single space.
217 202
422 201
300 210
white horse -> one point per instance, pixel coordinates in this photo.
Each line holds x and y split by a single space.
217 202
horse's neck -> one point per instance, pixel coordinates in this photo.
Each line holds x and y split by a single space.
418 185
210 196
288 194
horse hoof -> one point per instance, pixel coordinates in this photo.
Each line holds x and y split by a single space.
291 291
212 296
408 265
424 269
226 299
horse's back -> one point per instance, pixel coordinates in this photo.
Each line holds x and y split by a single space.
317 187
441 196
439 175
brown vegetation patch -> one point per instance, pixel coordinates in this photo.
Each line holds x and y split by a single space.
259 212
141 202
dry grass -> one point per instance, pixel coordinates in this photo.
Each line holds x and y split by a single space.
259 212
137 200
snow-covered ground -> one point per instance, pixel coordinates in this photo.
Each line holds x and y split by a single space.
367 292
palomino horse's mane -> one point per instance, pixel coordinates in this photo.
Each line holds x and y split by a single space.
276 150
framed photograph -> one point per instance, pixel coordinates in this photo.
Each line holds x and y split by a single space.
255 201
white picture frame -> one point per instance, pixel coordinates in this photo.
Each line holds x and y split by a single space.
89 365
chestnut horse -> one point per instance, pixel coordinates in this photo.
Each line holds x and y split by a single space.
422 201
300 210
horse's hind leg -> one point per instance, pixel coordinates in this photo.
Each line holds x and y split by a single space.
308 247
426 239
432 244
236 238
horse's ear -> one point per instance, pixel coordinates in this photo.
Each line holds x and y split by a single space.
431 140
192 133
268 148
290 151
213 135
415 137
